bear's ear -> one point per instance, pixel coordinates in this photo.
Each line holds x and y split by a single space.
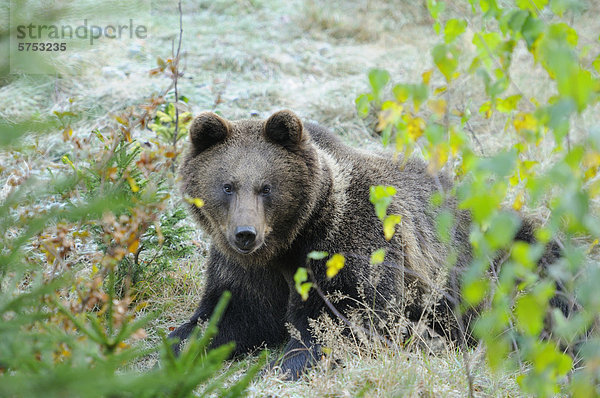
284 128
207 130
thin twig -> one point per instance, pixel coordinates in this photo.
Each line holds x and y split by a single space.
175 72
475 138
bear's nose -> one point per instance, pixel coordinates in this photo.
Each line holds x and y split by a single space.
245 237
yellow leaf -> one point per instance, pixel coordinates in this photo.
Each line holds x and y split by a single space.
591 164
427 76
415 127
68 132
438 158
401 93
378 256
389 225
66 160
132 184
519 200
111 173
121 120
195 201
456 142
133 246
390 112
508 104
525 121
486 109
334 265
594 188
438 106
594 244
590 173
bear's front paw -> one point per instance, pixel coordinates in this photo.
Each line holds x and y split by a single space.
289 369
295 362
181 334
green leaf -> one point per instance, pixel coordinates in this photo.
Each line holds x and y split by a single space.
514 21
444 223
402 92
386 134
531 30
378 78
315 255
475 291
501 164
596 63
562 31
529 316
363 104
381 197
532 5
420 93
557 117
508 104
435 133
489 7
522 254
302 287
560 6
487 45
581 86
496 351
445 58
453 29
486 109
435 8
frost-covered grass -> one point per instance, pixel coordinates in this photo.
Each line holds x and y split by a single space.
252 57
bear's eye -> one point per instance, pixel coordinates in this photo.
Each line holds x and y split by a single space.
228 189
266 190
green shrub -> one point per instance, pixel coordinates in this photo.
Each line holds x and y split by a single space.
423 117
79 246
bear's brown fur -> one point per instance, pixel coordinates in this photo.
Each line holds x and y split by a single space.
279 189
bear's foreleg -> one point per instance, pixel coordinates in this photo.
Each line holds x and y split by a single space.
302 351
255 314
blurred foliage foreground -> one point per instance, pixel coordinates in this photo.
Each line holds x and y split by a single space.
80 244
81 249
565 186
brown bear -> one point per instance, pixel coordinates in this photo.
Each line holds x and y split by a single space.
276 190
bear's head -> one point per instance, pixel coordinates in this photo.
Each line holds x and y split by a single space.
258 180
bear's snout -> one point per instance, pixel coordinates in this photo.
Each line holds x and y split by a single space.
245 237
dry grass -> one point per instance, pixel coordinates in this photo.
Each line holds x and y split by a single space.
252 57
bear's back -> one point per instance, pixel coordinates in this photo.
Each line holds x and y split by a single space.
416 241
